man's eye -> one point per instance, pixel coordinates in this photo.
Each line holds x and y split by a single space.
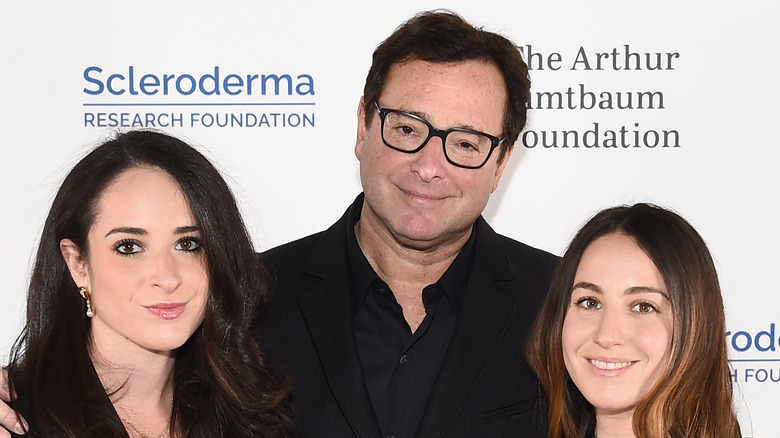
468 147
405 129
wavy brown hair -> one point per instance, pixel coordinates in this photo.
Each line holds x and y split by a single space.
222 384
678 405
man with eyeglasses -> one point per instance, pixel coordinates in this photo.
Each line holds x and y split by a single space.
407 318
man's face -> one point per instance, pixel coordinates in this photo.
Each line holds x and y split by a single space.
420 200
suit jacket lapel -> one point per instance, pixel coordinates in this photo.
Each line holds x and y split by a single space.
484 314
326 307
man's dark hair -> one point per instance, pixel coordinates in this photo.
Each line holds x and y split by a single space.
443 36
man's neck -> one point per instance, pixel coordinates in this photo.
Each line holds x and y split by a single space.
395 261
406 269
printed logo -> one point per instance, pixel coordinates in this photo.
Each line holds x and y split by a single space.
754 355
137 98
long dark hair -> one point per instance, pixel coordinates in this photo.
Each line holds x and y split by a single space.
222 384
675 406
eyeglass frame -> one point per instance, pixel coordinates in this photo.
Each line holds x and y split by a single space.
434 132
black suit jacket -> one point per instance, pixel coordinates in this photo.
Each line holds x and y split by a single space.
485 387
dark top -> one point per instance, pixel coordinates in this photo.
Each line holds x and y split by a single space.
400 367
484 387
113 427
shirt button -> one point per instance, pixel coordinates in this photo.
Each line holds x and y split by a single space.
403 360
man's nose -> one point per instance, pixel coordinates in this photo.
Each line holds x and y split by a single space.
430 162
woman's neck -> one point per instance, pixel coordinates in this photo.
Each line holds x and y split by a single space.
618 425
140 385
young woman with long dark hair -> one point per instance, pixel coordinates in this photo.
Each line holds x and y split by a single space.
140 303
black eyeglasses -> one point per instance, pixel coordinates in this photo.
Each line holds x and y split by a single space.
409 133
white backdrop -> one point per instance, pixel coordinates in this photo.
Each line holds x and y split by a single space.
714 96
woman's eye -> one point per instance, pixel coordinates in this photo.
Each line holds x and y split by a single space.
588 303
127 247
188 244
643 308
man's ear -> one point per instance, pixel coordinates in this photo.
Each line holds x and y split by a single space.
361 128
501 166
77 265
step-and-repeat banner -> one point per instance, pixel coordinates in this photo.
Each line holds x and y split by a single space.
668 102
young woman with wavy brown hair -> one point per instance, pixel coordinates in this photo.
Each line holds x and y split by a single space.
631 339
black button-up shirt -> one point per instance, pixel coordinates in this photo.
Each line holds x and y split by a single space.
400 367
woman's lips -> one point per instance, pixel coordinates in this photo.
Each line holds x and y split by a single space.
167 310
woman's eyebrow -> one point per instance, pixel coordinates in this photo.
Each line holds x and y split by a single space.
646 289
186 229
587 285
128 230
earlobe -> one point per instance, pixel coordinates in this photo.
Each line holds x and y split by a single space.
77 266
361 128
